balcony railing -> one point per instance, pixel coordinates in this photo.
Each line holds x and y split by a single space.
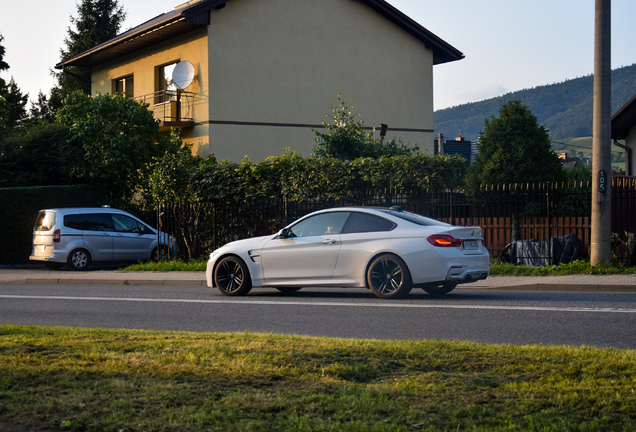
172 108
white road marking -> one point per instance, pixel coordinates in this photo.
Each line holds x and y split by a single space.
385 304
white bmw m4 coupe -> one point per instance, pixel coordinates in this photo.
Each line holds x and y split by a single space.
388 251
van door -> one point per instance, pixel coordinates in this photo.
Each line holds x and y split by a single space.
132 241
96 231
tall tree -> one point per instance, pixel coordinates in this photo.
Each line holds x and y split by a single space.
3 85
514 148
97 22
15 106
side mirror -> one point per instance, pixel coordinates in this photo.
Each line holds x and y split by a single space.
284 233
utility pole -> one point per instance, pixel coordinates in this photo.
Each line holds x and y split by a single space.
601 137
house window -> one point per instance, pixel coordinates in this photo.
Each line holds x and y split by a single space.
125 86
164 85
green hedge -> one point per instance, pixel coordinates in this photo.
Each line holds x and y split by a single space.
20 207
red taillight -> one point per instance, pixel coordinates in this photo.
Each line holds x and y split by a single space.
444 241
56 236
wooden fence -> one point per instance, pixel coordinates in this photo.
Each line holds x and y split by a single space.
506 213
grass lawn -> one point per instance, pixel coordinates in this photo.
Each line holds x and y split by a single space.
120 380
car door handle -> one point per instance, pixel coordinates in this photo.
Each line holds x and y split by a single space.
328 241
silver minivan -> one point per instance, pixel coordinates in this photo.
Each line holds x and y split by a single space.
79 236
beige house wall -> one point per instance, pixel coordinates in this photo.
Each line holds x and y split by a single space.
276 68
143 66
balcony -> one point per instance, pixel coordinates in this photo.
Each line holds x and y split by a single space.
172 108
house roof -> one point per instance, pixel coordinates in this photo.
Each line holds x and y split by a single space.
196 14
624 119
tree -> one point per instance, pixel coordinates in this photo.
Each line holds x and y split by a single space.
15 106
97 22
346 139
3 86
514 148
118 140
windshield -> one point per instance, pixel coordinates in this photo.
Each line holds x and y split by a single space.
45 221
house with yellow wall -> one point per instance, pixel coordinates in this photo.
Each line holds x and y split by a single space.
254 77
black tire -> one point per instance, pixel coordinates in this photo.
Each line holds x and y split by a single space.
54 265
231 277
79 259
288 290
440 289
159 254
389 277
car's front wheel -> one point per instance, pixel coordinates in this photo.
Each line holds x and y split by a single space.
79 259
388 277
159 254
231 277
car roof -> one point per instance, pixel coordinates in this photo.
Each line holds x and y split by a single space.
395 214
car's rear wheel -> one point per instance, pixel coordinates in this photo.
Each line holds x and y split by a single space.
231 277
79 259
440 289
388 277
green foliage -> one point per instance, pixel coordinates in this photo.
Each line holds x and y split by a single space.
13 111
169 177
514 148
498 268
38 155
565 108
346 138
118 140
298 178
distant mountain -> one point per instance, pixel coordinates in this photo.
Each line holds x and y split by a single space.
564 108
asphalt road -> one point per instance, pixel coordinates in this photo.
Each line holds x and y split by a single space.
562 318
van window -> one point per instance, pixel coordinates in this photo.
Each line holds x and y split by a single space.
89 221
124 223
45 221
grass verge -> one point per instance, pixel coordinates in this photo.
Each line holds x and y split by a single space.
118 380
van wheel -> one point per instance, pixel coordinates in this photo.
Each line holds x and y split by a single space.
53 265
79 259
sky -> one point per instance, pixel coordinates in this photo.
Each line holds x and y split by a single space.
508 45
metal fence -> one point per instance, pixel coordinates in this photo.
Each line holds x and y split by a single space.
539 216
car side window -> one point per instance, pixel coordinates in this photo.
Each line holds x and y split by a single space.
364 222
320 224
127 224
89 221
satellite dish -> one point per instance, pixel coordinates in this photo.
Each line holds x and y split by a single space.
183 74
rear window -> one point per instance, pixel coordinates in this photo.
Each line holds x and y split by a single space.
89 221
45 221
415 218
364 222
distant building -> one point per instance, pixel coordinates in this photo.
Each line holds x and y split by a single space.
458 146
624 128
